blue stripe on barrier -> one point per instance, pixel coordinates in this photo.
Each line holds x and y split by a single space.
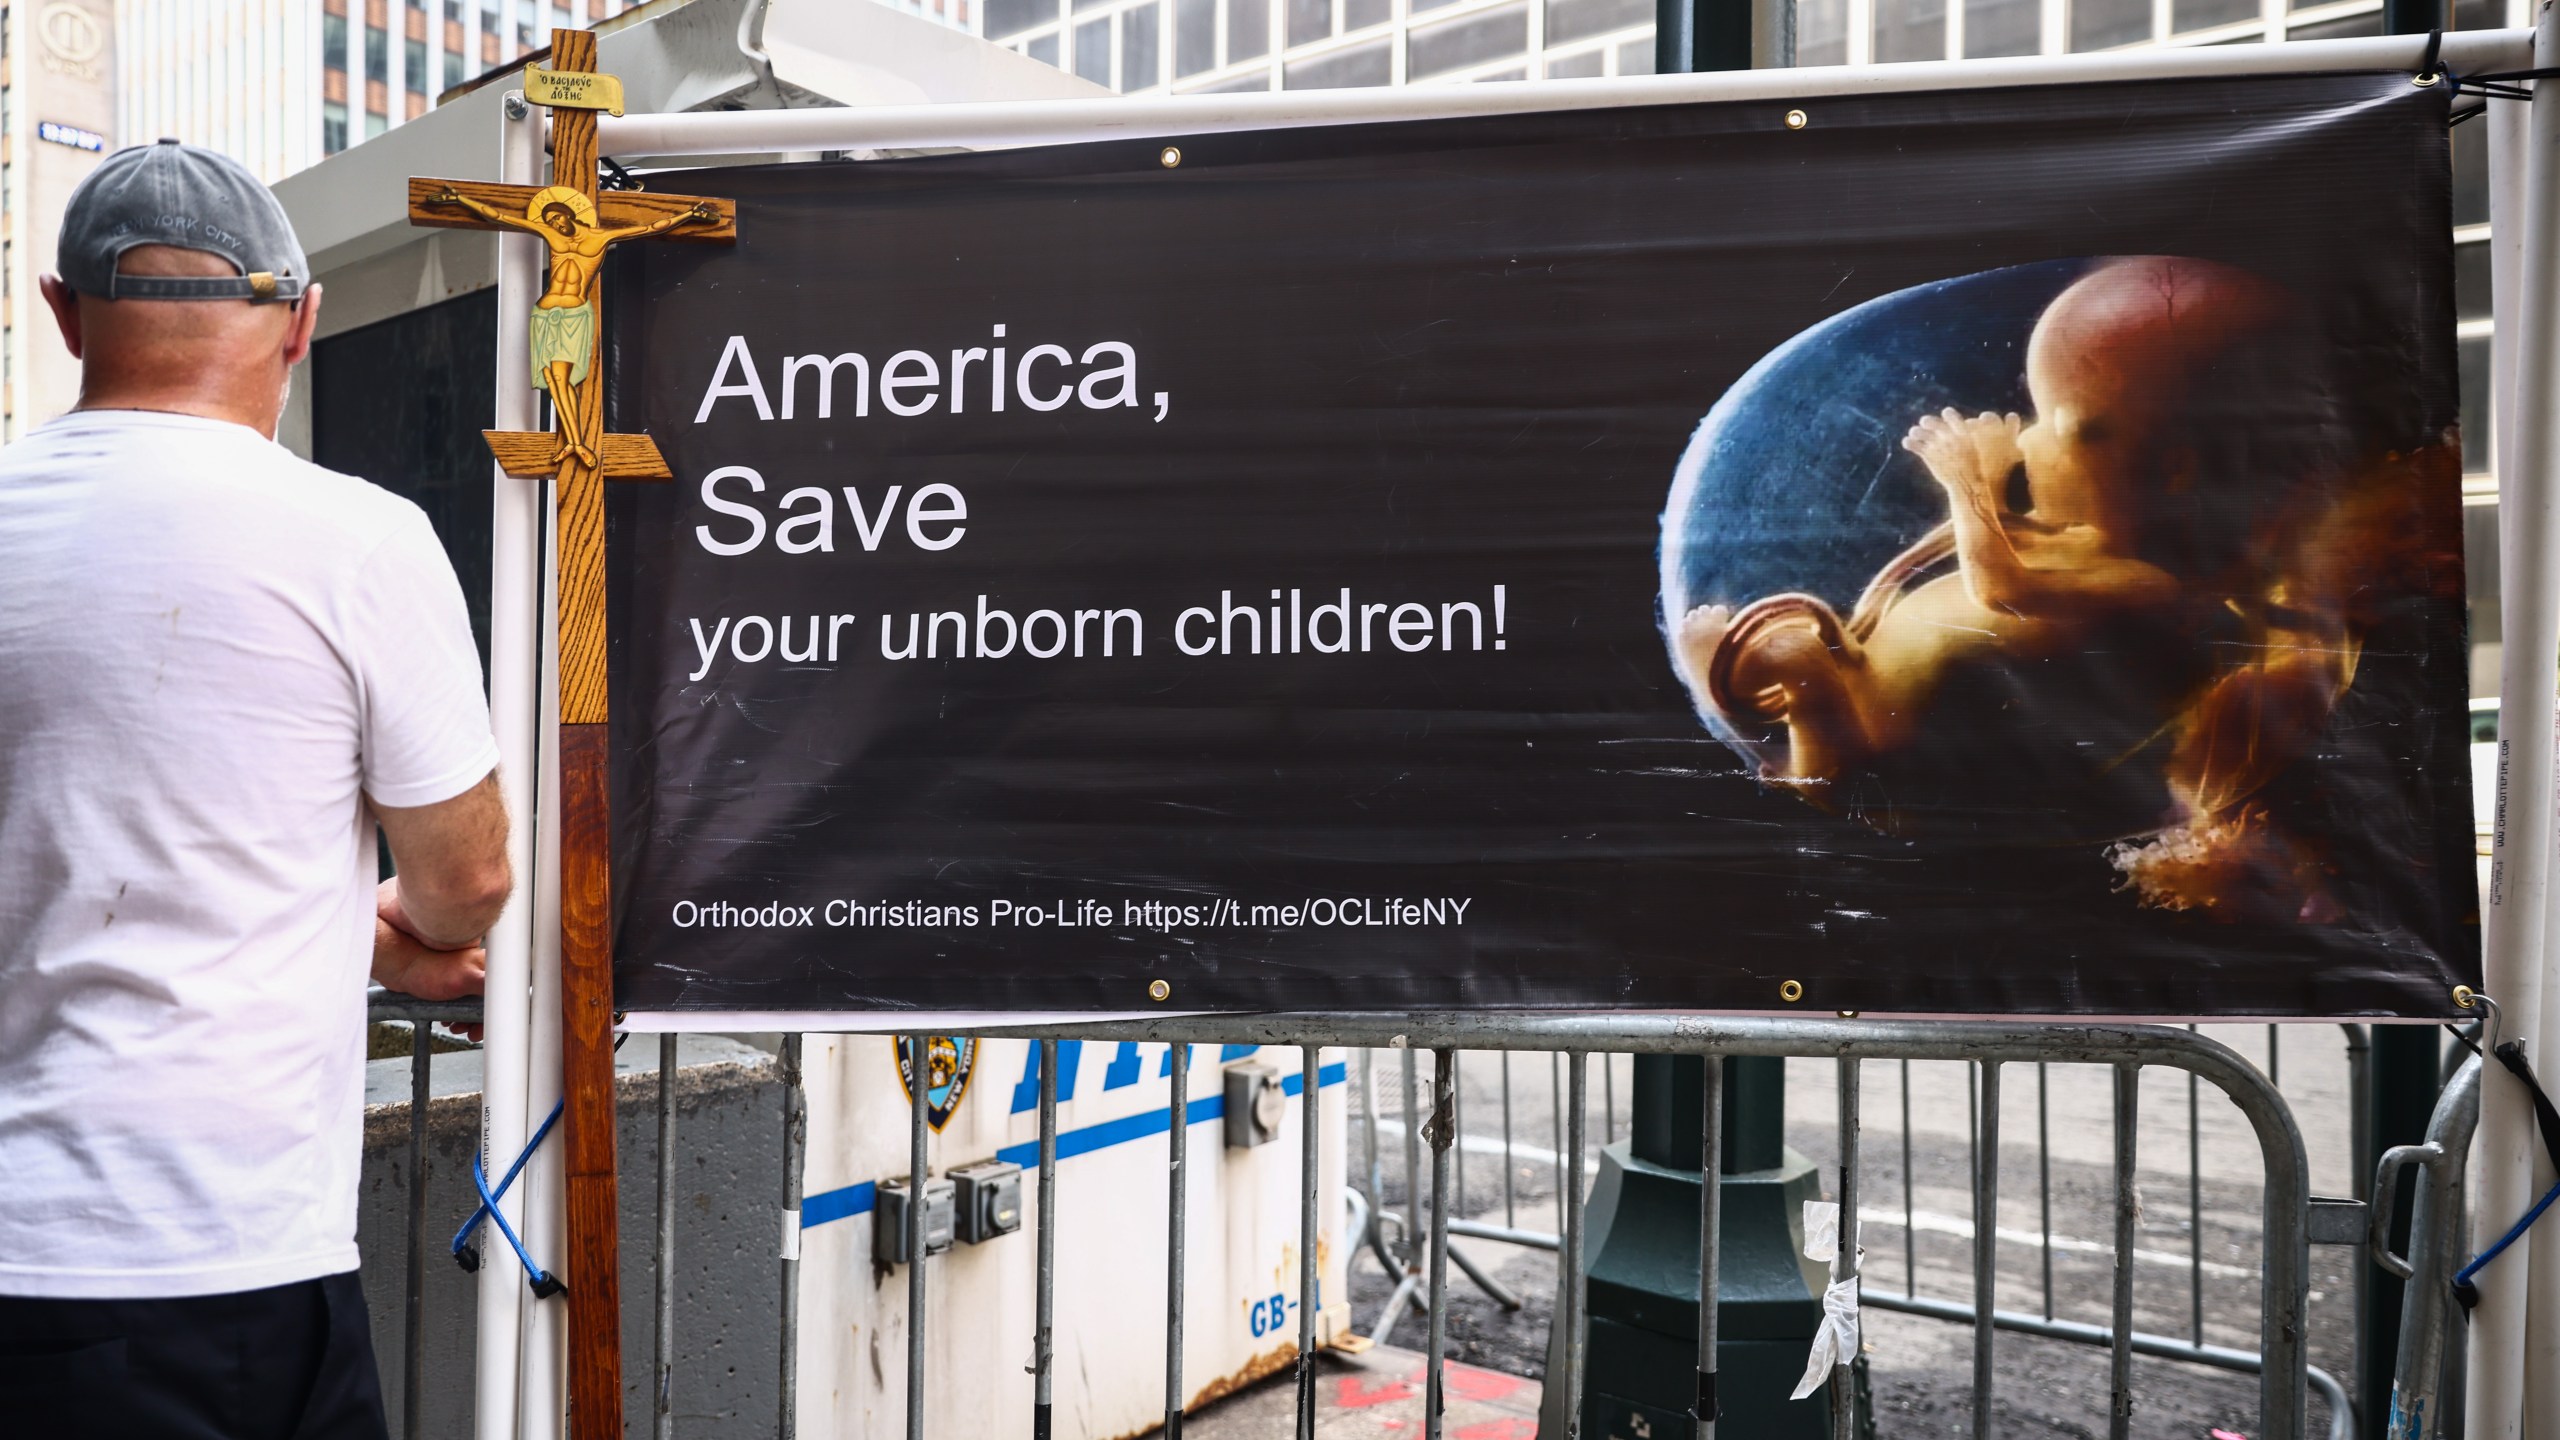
838 1204
855 1200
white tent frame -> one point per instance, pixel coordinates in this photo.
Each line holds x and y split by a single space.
521 1355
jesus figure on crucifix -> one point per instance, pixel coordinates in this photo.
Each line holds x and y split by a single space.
564 319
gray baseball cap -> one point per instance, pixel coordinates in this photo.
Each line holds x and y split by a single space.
182 195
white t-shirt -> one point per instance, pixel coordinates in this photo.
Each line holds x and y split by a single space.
210 653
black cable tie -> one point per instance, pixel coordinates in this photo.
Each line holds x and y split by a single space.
2495 85
2510 1053
2428 71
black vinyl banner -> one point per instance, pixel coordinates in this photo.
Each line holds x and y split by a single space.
1992 552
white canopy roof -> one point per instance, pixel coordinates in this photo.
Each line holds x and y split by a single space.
676 55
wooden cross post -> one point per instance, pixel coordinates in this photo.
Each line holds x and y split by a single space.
578 225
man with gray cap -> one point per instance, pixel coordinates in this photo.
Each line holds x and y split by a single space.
221 668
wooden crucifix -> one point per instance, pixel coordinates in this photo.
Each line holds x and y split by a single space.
578 225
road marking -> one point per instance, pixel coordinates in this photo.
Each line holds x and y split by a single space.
1957 1225
1927 1221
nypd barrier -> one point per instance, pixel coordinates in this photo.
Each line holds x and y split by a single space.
1243 1105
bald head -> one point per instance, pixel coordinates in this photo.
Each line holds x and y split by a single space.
222 359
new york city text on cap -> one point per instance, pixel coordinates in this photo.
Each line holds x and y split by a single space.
192 198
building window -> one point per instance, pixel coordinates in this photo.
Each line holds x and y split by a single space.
452 70
415 67
333 40
375 125
377 54
333 128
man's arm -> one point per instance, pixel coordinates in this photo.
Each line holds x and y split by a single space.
452 862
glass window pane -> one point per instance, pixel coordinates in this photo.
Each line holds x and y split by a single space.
2186 15
1248 29
2477 446
333 127
2001 27
2480 577
2471 281
1575 19
1635 57
377 54
2471 173
2479 14
1309 20
1585 66
2369 23
1822 32
1518 74
333 40
414 67
1195 36
1093 51
2104 24
1360 14
1242 84
1138 49
1471 41
1368 64
1044 49
1911 30
1012 17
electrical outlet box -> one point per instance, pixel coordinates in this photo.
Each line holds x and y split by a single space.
988 1202
1257 1105
893 1210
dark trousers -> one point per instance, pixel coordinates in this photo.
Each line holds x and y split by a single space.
291 1363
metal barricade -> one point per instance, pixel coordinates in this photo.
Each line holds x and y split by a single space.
2282 1366
2436 1232
1423 1267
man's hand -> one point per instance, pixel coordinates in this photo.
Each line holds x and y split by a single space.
411 966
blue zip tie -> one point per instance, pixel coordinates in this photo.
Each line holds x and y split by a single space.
2468 1293
545 1285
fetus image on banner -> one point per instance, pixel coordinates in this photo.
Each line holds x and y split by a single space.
2110 611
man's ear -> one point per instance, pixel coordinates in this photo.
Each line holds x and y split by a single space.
306 318
64 302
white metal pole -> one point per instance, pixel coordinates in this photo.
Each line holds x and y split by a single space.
545 1390
1035 122
515 533
2520 863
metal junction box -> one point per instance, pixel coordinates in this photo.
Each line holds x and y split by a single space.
890 1218
1257 1104
988 1201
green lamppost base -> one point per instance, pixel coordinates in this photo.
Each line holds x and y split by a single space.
1643 1292
1642 1269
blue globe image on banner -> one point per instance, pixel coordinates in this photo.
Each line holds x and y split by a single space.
1797 480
